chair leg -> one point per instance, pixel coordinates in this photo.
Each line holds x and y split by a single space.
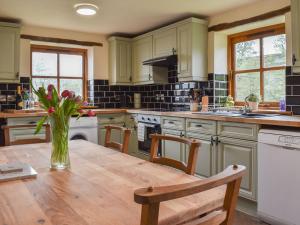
150 214
230 200
107 136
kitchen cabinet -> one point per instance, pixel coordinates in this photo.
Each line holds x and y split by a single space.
131 123
120 61
295 9
164 42
242 152
206 159
144 74
9 52
24 133
238 130
171 149
110 119
192 50
142 50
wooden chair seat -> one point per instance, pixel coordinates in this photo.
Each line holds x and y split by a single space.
188 168
122 147
7 140
152 197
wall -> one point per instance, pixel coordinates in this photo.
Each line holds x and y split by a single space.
99 69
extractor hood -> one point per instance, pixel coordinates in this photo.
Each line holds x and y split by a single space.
164 61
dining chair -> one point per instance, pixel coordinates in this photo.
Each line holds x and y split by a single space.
8 141
151 197
188 168
111 144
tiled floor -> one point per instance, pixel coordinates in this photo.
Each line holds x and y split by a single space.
243 219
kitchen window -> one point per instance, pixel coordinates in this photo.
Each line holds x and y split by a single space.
257 61
65 68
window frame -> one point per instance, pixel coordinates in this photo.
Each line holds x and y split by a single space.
254 34
58 51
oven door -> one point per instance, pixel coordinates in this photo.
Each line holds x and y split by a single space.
144 146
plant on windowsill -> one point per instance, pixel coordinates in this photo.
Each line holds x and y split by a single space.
252 101
60 108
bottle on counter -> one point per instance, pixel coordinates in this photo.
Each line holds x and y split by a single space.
282 105
19 101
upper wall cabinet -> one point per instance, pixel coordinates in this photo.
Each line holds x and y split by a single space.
192 50
120 72
142 50
164 42
295 7
9 52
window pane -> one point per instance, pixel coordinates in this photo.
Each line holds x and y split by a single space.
39 82
274 85
274 51
245 84
44 64
70 65
247 55
72 85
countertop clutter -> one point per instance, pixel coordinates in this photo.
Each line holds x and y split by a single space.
278 120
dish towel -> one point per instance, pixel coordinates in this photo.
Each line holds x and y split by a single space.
141 131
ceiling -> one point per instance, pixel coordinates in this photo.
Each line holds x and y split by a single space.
114 16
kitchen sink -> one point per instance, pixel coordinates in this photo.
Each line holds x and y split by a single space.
237 114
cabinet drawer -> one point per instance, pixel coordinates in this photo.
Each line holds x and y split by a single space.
173 123
238 130
23 121
201 126
111 119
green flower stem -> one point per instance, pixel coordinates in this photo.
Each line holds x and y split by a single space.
60 149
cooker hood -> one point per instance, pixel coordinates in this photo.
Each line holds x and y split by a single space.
163 61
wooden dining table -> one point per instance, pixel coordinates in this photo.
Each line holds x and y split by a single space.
98 189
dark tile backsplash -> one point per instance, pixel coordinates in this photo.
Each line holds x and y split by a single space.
8 93
167 96
292 91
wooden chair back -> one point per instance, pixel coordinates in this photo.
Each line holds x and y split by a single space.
188 168
122 147
151 197
7 140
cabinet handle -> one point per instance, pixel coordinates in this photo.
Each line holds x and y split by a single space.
150 77
130 78
294 59
32 122
110 118
171 122
212 140
181 134
217 141
17 74
173 51
198 125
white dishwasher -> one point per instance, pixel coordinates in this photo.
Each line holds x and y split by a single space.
279 177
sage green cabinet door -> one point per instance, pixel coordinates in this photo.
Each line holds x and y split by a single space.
142 50
184 48
172 149
9 53
115 135
234 151
206 159
164 42
119 61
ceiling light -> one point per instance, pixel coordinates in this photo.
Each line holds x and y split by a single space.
86 9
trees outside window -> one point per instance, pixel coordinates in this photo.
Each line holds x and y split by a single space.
257 64
65 68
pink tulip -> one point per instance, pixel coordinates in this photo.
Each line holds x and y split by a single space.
91 113
78 99
65 94
81 111
50 87
49 97
51 110
71 94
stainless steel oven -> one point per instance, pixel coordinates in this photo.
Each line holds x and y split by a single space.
147 125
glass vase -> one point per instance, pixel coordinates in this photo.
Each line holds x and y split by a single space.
60 144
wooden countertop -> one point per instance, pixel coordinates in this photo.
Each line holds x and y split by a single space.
98 189
281 120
